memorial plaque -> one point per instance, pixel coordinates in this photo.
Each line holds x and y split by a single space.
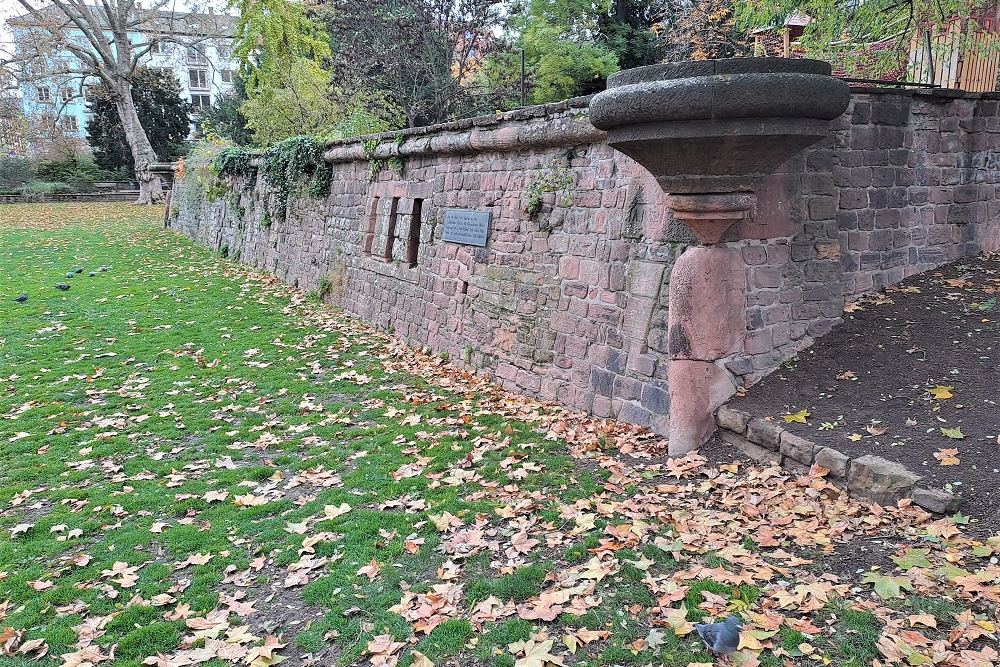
466 227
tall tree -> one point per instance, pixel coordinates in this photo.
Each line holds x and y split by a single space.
78 40
164 117
419 56
563 54
224 118
282 54
631 30
705 29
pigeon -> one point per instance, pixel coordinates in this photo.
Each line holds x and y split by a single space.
721 637
92 274
21 298
70 274
104 268
78 269
62 286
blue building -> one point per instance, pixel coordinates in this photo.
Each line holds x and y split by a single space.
194 47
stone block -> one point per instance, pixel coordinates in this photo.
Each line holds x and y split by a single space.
697 389
797 448
645 278
707 301
938 501
732 419
794 466
764 433
885 482
655 399
753 451
834 461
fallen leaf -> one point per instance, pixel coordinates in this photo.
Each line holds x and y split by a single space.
797 417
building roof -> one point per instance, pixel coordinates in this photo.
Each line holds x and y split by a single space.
153 22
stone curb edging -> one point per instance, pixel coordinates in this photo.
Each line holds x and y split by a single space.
869 476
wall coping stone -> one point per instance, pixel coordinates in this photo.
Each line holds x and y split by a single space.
754 436
566 123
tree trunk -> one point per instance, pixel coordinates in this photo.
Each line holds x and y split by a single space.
150 185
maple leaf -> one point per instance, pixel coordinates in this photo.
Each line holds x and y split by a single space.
265 655
947 457
215 496
655 639
941 392
953 433
420 660
912 558
854 437
927 620
597 570
371 570
381 647
21 529
797 417
333 511
876 429
535 654
888 587
676 619
297 528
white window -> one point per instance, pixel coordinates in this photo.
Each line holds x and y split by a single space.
70 123
200 102
66 94
227 76
160 47
196 57
198 79
44 94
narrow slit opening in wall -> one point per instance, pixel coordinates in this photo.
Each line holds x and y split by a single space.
372 223
390 234
413 241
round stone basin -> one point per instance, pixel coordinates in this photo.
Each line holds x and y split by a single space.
718 125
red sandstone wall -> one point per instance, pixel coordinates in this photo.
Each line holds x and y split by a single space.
569 302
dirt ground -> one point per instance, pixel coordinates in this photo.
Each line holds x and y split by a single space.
908 376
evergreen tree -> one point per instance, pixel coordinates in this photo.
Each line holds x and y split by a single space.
224 119
163 114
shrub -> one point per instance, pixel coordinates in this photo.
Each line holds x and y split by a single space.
78 172
39 189
14 172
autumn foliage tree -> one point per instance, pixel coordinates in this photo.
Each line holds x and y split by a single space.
707 29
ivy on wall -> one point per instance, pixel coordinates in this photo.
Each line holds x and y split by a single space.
293 166
289 168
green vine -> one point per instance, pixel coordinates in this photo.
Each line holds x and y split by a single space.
236 165
289 168
285 163
369 146
554 178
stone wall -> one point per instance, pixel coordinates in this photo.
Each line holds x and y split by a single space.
568 299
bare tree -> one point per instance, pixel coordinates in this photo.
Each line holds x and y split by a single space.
106 39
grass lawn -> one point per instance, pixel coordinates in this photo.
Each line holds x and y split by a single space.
199 465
